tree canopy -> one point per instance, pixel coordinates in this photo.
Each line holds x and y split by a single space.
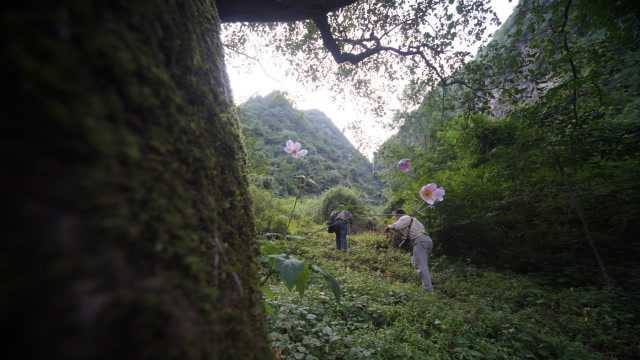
394 43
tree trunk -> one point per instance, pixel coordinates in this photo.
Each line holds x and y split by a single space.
131 234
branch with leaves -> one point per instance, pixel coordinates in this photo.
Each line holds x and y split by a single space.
345 44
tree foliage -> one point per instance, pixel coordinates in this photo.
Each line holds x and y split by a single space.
540 159
370 46
342 198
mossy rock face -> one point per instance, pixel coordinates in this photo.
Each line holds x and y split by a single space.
131 230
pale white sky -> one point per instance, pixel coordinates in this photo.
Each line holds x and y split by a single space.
273 73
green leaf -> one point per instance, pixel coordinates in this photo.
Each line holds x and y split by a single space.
275 259
327 330
333 283
292 271
289 269
303 280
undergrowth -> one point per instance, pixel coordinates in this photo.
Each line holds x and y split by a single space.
473 313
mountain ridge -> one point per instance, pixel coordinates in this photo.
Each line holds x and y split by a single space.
267 122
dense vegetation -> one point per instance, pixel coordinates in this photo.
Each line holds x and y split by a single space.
268 122
276 216
134 226
537 143
538 146
474 313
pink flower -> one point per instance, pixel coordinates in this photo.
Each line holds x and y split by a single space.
404 165
295 149
431 193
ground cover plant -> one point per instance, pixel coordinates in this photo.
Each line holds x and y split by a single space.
475 313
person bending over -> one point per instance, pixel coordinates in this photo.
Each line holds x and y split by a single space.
413 231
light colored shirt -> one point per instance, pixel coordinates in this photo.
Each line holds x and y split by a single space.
402 225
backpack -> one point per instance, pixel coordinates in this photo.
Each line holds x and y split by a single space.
403 242
332 222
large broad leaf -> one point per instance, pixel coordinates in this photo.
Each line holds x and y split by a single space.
304 279
292 271
333 283
275 259
296 273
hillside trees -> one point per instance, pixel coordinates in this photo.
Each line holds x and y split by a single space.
550 178
408 40
268 122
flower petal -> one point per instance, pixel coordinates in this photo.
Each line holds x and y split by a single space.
426 193
431 193
404 165
289 146
438 194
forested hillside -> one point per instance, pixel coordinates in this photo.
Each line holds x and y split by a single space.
268 122
537 143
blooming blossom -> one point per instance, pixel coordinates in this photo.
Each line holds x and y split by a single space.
431 193
295 149
404 165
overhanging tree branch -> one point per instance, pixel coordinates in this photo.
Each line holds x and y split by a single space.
276 10
331 44
426 54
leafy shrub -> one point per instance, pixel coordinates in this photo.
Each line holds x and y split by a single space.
272 213
343 198
268 122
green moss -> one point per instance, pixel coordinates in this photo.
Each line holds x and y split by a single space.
131 183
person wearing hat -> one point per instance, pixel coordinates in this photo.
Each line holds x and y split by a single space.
413 231
339 224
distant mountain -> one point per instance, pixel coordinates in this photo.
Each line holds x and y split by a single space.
268 122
